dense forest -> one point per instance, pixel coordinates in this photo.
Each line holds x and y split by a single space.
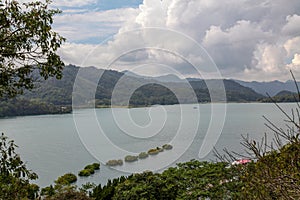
21 107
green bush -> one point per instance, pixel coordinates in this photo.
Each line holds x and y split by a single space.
96 166
153 151
114 162
130 158
167 147
66 179
143 155
86 172
89 169
159 149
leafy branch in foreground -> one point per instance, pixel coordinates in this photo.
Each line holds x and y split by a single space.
27 43
14 176
275 172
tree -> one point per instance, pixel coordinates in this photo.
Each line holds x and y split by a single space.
27 44
274 172
14 176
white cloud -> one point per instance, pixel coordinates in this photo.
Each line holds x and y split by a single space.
292 45
293 25
296 60
268 58
247 39
72 3
295 64
66 3
83 26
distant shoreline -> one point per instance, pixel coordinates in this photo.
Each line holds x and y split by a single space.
129 107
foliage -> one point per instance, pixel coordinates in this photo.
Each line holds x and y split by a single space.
66 179
167 147
14 176
143 155
68 193
64 189
190 180
108 191
274 176
27 43
153 151
114 162
20 107
282 96
89 169
85 172
59 92
94 166
130 158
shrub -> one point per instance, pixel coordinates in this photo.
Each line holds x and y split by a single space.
114 162
143 155
85 172
66 179
89 169
167 147
96 166
153 151
159 149
130 158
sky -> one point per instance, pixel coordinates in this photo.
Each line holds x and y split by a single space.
240 39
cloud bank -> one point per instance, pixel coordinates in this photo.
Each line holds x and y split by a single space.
247 39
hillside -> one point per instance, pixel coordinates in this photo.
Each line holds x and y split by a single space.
59 92
272 87
149 91
283 96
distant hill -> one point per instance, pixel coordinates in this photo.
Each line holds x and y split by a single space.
282 96
152 92
157 90
285 93
165 78
272 87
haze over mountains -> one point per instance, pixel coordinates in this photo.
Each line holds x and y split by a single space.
272 87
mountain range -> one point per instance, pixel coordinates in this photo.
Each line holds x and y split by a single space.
144 91
272 88
149 90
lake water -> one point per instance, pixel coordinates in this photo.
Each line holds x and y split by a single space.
53 145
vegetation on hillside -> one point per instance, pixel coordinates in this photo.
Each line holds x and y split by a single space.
21 107
283 96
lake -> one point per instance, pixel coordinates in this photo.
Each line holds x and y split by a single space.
53 145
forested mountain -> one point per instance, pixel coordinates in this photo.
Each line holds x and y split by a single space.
152 91
149 91
283 96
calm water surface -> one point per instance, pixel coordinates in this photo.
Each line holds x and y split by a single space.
51 145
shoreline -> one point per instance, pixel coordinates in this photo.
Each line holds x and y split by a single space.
142 106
